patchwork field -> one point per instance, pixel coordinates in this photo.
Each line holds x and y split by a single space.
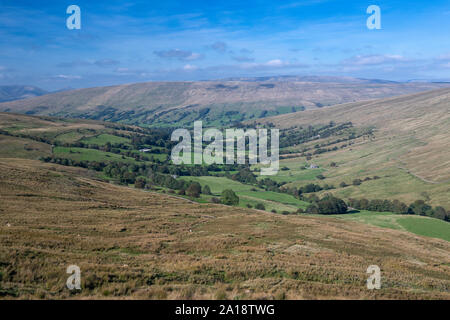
129 225
409 148
249 195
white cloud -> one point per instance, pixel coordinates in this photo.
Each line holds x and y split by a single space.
444 57
190 67
375 59
194 56
275 63
178 54
67 77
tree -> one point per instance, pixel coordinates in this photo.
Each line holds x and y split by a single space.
343 185
331 205
399 207
229 197
312 209
356 182
419 207
363 204
440 213
194 190
140 183
260 206
206 190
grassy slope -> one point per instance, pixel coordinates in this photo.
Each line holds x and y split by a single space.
416 224
82 154
131 243
410 152
102 139
271 200
179 103
72 131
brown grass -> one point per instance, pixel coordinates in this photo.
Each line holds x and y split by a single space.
135 244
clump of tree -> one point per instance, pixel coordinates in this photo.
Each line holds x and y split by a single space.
194 190
206 190
329 204
260 206
309 188
418 207
215 200
229 198
140 183
245 176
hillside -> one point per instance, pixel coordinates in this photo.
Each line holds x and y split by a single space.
10 93
215 102
127 246
409 148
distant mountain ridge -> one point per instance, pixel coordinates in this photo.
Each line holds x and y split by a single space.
217 103
17 92
319 79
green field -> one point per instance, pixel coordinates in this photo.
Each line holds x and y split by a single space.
69 137
419 225
295 174
271 200
83 154
428 227
104 138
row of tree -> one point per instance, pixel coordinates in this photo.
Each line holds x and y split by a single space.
418 207
328 204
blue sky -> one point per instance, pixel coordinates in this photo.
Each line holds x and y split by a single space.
136 41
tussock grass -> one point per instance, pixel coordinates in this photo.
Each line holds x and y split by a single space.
135 244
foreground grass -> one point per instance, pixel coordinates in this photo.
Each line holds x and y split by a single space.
135 244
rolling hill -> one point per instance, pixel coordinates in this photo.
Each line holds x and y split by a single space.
153 244
10 93
215 102
409 149
131 243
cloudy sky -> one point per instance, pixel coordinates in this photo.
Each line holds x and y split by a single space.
136 41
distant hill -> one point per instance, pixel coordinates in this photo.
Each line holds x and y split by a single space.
410 148
215 102
11 93
320 79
